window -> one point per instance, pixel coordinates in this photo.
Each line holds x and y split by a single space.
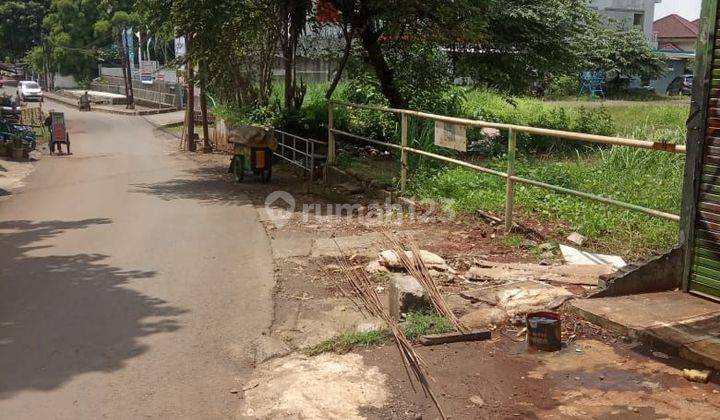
638 19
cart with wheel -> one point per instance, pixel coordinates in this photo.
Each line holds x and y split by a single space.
58 132
253 151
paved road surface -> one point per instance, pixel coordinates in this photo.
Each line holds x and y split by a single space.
127 290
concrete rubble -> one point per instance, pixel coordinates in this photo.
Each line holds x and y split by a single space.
406 295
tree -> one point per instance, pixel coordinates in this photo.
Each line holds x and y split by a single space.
21 26
387 27
292 19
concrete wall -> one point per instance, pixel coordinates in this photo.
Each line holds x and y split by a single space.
675 68
163 93
625 11
659 274
65 82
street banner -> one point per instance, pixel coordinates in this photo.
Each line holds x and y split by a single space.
180 48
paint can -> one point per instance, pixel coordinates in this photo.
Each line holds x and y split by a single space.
543 331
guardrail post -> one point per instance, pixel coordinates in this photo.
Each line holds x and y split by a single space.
331 135
403 151
510 192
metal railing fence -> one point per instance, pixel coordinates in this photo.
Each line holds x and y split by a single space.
299 151
511 155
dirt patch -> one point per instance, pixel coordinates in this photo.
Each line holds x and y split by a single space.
328 386
598 381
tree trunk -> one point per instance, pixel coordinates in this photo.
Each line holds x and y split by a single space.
203 107
123 60
128 66
343 62
376 58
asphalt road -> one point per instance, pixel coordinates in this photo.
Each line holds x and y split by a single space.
127 290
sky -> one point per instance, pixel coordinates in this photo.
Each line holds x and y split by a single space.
689 9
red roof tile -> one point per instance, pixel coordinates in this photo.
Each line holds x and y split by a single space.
675 26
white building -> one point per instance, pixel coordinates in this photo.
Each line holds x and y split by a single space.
630 13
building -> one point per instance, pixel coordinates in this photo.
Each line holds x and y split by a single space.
676 38
675 33
629 14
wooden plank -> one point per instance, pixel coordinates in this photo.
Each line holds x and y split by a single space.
712 150
708 262
707 253
706 272
709 207
708 216
710 188
454 337
709 198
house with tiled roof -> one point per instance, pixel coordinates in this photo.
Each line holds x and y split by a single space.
674 33
676 38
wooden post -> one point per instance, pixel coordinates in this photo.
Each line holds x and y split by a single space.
331 135
403 151
510 193
191 98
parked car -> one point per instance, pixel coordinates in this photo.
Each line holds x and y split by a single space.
27 89
681 85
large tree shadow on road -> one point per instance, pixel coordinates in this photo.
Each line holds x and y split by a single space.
213 185
64 315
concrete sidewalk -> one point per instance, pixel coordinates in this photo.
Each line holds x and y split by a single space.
673 322
166 119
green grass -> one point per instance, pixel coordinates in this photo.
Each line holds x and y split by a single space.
418 324
347 342
639 177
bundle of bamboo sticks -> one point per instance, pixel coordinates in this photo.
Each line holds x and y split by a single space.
415 266
360 289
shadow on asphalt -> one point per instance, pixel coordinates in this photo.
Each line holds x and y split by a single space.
210 185
64 315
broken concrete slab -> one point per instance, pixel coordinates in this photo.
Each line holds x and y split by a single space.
576 257
365 245
405 295
674 322
432 261
289 246
588 275
576 239
484 317
328 386
518 297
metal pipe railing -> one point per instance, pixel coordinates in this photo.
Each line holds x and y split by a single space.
512 147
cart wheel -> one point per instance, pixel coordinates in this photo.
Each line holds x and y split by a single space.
239 168
265 175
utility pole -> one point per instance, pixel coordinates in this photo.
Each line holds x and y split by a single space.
207 148
191 95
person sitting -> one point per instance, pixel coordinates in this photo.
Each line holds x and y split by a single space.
84 102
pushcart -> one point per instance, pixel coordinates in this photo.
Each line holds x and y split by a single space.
253 151
58 132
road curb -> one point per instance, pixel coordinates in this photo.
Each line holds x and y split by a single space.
73 103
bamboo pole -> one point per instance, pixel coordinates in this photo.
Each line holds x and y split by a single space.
651 212
510 191
591 138
331 135
403 152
